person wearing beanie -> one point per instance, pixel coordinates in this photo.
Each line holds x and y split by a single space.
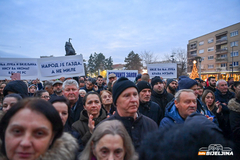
160 94
188 83
148 107
18 87
126 100
138 78
171 86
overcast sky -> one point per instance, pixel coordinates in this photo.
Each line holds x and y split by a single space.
34 28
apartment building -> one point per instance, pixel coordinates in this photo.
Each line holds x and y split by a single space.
215 53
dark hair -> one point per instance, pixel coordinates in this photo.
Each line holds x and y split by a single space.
62 99
229 78
209 78
99 76
14 95
235 84
39 93
34 104
92 80
89 93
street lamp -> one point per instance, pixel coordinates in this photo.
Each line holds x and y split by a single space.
232 60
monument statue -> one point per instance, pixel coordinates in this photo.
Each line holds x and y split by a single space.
69 48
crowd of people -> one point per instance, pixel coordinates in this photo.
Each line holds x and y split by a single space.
89 118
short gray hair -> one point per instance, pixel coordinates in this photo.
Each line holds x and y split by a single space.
178 94
220 80
70 82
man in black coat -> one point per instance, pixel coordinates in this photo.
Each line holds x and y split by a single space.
160 94
126 100
212 84
223 95
71 92
148 107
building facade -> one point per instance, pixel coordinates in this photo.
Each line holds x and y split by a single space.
215 53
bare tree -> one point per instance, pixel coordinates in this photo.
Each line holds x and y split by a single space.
148 57
179 56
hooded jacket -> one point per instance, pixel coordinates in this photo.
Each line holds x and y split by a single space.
172 115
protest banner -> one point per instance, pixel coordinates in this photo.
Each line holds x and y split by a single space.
130 74
164 70
42 68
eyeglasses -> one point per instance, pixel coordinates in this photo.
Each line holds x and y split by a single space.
46 97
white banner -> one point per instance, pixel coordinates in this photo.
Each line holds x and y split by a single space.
130 74
42 68
164 70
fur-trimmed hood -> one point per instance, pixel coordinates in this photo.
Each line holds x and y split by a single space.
64 148
233 105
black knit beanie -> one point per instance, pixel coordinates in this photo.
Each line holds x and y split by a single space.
186 83
155 80
143 85
170 81
119 86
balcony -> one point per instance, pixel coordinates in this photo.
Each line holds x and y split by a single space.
221 41
222 50
219 69
219 59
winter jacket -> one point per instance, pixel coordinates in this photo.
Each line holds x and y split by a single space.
162 99
225 110
64 148
172 115
75 111
151 110
81 127
138 128
211 89
234 118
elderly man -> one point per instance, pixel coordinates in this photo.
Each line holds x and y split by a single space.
126 100
223 95
185 103
71 92
57 88
148 107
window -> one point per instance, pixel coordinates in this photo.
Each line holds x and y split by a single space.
234 33
201 51
203 58
210 57
210 49
210 66
223 56
235 63
210 40
193 53
234 53
235 43
193 46
201 43
223 64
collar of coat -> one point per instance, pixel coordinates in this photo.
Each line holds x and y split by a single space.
234 105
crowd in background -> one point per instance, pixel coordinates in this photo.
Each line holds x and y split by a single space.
90 118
